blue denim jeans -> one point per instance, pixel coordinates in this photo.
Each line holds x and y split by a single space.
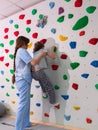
23 112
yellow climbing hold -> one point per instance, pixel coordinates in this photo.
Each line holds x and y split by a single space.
29 44
63 38
13 101
76 107
31 112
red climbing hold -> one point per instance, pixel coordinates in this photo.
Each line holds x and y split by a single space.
46 114
6 64
6 30
28 21
35 35
88 120
93 41
43 41
2 58
6 37
54 67
75 86
63 56
78 3
21 16
16 33
82 33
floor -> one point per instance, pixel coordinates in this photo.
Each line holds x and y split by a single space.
8 124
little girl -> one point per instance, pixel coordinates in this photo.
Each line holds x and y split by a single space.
39 74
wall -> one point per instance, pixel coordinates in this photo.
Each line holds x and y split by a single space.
72 27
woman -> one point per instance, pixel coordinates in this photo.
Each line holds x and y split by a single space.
23 79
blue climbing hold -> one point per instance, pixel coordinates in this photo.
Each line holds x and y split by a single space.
94 63
72 44
85 75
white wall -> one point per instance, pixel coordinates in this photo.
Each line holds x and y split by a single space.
80 107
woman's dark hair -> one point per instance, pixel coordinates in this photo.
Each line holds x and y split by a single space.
20 41
37 46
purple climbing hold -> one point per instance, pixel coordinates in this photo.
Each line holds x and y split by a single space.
61 10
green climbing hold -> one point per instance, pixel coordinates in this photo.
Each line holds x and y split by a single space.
81 23
11 42
70 16
7 94
55 49
12 71
11 56
83 53
12 87
56 87
74 65
67 0
31 95
41 16
65 77
16 26
96 86
1 45
7 80
28 29
60 19
91 9
34 11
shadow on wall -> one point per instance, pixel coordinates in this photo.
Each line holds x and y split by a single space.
58 74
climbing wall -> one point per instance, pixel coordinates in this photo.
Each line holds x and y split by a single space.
72 27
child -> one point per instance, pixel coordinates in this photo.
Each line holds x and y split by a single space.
39 74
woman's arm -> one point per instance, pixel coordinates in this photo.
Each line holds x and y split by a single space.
35 61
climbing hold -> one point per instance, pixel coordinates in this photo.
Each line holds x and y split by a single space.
51 4
65 77
76 107
85 75
78 3
7 94
74 65
1 45
6 64
35 35
30 45
22 16
2 58
96 86
13 101
53 30
38 104
75 86
63 38
57 106
61 10
6 50
63 56
56 87
2 72
11 42
11 56
6 37
28 29
31 95
46 114
16 33
11 71
6 30
11 21
83 53
81 23
28 21
94 63
43 41
82 33
93 41
31 113
72 44
88 120
67 117
16 26
54 67
91 9
34 11
70 16
60 19
65 97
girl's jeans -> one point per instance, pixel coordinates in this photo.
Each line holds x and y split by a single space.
23 113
